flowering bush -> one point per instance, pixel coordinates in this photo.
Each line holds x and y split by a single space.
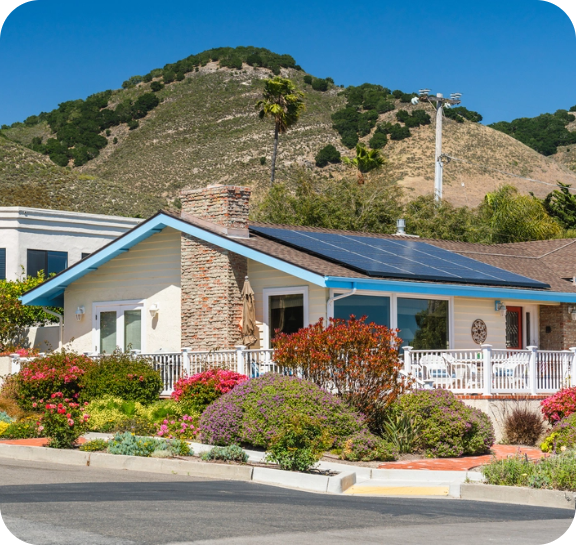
365 447
3 427
185 427
255 411
368 377
198 391
23 429
57 372
560 405
122 375
563 434
63 421
447 427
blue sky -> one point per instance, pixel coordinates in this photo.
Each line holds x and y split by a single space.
509 58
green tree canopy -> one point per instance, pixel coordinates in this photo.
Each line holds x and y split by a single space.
365 161
15 318
561 205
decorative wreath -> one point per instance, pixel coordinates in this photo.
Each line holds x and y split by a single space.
479 331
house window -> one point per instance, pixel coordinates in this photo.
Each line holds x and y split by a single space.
285 310
2 263
377 309
44 260
85 255
423 323
118 325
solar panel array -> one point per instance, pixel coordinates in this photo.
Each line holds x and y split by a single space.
389 258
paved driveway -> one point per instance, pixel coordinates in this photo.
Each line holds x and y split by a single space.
47 504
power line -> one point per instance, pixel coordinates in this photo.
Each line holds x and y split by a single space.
501 171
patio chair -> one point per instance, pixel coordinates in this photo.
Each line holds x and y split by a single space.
511 373
436 369
465 374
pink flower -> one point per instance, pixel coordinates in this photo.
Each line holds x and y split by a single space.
34 404
70 422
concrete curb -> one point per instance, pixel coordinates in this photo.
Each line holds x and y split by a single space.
302 481
315 483
518 495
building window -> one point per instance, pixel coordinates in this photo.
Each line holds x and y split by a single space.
285 311
2 263
85 254
377 309
423 323
118 325
44 260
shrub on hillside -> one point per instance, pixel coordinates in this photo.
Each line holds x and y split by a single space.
156 86
378 141
131 378
307 79
39 378
447 427
563 434
328 154
201 389
319 84
367 378
559 405
255 411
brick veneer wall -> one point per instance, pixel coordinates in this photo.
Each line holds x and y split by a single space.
557 329
212 278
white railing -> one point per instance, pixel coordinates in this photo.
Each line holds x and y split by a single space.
482 370
490 371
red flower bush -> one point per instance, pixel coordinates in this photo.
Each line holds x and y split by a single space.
199 390
358 361
560 405
64 420
57 372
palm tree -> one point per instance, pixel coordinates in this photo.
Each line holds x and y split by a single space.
365 160
283 103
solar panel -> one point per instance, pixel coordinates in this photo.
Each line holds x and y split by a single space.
407 259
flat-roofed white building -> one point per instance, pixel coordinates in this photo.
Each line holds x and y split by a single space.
34 239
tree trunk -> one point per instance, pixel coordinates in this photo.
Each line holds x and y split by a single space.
273 168
360 178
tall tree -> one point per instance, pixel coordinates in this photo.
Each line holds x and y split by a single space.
561 205
283 103
365 161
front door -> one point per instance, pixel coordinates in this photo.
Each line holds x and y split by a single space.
514 327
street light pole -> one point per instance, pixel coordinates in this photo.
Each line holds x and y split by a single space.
441 103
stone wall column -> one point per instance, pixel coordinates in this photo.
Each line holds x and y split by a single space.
212 278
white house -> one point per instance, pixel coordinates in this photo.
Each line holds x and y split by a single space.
174 281
34 239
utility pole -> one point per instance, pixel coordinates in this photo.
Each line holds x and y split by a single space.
440 103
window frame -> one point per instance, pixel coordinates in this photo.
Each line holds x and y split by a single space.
270 292
394 306
119 307
3 263
46 261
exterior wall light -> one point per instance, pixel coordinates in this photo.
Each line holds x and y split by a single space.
154 309
572 312
499 306
80 311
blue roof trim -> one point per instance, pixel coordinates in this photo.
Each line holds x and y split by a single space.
425 288
50 293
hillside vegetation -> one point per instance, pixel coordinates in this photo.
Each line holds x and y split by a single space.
205 130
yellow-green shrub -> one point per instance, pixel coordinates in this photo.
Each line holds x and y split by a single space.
3 427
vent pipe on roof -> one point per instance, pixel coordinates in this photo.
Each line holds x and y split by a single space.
401 226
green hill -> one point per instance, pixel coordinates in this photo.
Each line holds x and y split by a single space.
137 152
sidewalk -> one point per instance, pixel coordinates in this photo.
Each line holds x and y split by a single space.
465 463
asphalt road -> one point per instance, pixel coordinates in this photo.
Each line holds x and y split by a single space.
53 504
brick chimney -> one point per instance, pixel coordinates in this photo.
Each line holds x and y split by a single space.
211 277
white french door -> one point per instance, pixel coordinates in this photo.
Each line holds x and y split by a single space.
118 325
